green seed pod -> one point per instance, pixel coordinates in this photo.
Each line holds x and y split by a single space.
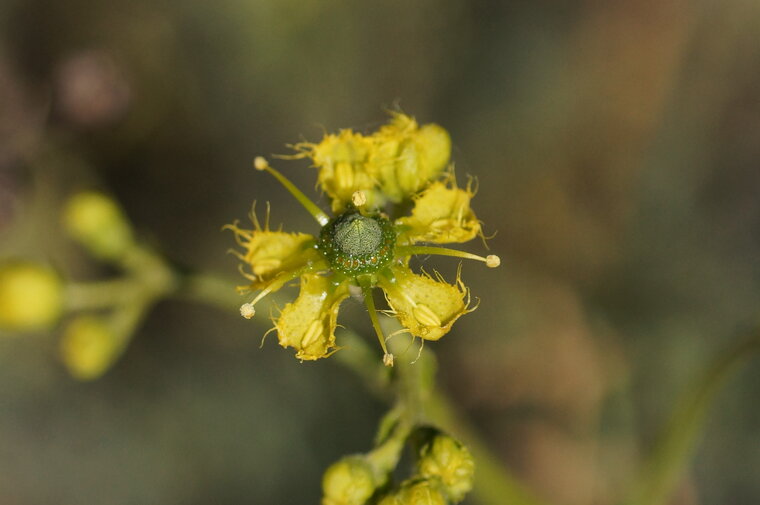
355 244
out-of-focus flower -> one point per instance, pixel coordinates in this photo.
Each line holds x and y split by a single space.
88 347
98 223
31 296
91 89
363 246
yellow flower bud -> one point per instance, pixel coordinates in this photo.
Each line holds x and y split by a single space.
451 462
350 481
416 492
96 221
88 347
31 296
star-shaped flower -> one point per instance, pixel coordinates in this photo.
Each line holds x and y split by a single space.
361 245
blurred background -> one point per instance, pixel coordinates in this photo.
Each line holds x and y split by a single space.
616 145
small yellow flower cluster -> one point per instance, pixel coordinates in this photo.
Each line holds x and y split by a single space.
443 475
105 314
362 245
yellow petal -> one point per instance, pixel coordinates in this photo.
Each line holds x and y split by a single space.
308 324
427 307
407 157
342 163
442 214
269 253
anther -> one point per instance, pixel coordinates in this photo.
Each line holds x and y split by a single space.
359 198
312 333
260 163
266 265
247 310
426 316
492 261
388 359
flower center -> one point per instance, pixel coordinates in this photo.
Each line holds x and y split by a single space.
356 244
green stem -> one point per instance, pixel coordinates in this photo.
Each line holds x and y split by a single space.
99 295
369 301
210 289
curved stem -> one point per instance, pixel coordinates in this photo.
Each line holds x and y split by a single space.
322 218
369 301
99 295
676 444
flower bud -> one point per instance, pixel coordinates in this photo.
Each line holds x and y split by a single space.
416 492
31 296
96 221
88 347
451 462
349 481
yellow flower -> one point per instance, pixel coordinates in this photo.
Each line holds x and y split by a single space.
425 306
406 156
270 253
98 223
308 325
31 296
89 346
360 245
342 160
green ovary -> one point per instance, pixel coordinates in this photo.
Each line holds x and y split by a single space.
357 235
354 244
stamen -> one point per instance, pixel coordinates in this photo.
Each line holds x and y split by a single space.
261 163
247 310
388 359
491 261
359 198
369 301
